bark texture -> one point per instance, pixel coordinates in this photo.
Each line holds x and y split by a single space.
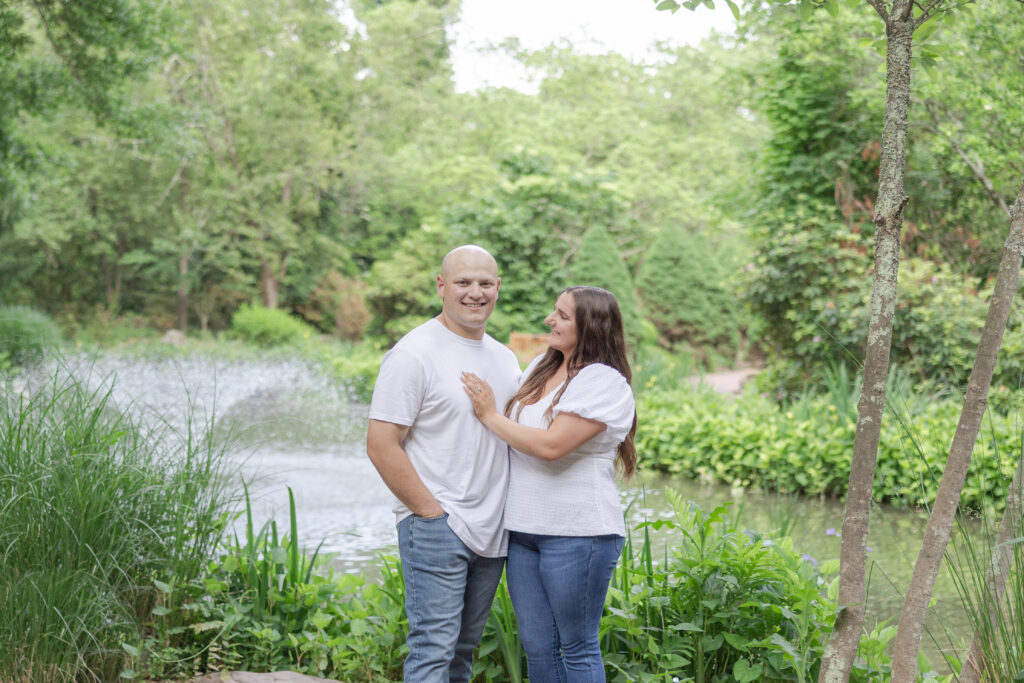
947 498
837 661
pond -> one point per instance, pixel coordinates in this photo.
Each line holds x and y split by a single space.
290 427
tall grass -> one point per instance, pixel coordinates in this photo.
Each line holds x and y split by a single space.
995 617
93 505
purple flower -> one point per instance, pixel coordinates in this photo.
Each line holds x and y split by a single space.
817 338
809 559
831 531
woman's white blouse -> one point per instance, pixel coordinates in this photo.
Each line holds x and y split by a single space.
576 494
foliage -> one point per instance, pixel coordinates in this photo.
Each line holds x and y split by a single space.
26 334
808 287
96 504
726 604
267 326
805 446
401 290
599 264
356 365
684 284
531 225
818 98
265 605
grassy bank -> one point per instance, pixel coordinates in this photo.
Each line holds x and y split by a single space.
95 505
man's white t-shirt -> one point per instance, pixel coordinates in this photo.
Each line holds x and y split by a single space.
460 461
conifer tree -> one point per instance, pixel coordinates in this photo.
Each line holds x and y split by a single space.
599 264
682 285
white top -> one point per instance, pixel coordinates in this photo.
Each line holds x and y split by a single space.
459 460
576 494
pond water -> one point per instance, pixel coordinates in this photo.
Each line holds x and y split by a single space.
289 426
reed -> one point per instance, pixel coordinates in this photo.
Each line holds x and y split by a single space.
94 504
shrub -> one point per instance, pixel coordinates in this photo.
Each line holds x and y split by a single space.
268 326
805 447
727 604
684 284
26 334
264 605
599 264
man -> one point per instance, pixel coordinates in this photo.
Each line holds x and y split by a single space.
447 471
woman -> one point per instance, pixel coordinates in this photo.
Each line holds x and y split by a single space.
571 420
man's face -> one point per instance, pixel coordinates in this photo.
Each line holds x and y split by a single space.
468 288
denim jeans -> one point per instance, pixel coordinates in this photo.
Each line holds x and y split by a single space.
558 586
448 595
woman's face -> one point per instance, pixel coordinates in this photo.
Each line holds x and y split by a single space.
562 322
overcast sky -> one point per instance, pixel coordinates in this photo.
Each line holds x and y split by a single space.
629 27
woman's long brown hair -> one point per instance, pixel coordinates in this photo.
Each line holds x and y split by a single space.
599 339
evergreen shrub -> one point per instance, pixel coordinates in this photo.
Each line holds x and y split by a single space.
26 334
599 264
268 326
686 287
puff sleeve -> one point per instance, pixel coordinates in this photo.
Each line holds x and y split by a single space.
599 392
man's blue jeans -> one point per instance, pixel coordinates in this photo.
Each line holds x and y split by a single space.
448 595
558 586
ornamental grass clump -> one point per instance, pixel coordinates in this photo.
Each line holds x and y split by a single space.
94 505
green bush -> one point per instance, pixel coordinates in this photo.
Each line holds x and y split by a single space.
26 334
805 447
685 284
726 605
268 326
264 605
599 264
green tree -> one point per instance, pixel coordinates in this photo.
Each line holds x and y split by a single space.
684 288
599 264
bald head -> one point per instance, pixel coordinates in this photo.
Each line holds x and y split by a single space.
468 285
467 253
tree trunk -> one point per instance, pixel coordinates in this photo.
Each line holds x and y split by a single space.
947 498
268 284
183 291
837 661
999 573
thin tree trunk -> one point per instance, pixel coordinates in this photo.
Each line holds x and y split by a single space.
837 661
183 291
947 499
999 573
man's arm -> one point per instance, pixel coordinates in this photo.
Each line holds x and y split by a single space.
384 446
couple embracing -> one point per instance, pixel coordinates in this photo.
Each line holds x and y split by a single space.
487 462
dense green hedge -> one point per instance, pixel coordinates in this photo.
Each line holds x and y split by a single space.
805 448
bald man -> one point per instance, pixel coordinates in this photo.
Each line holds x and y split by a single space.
449 473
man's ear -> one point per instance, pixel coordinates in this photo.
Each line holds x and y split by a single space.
440 286
497 285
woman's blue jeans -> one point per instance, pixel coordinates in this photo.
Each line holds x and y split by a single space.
448 595
558 586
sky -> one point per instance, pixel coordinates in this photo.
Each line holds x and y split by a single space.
629 27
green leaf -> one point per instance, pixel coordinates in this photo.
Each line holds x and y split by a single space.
744 672
130 649
162 587
734 9
669 5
